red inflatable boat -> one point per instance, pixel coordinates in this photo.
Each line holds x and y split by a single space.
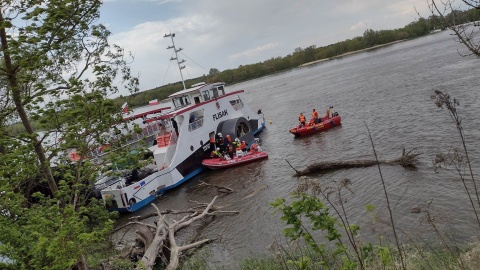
220 163
325 124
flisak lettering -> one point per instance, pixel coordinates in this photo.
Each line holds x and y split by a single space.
220 115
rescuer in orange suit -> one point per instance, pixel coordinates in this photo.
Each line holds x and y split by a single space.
244 148
212 143
315 116
302 119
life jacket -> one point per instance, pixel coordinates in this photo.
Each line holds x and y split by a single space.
230 148
216 153
254 148
229 139
315 114
302 118
237 146
243 145
328 113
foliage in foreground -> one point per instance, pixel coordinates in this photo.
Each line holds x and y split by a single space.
57 69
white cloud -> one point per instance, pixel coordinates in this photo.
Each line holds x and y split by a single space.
253 52
363 25
226 34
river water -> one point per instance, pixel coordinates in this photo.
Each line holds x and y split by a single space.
387 89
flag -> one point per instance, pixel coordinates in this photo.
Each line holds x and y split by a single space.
125 107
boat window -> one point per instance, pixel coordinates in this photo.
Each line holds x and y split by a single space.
187 100
215 93
182 101
206 95
177 102
221 91
195 120
197 100
237 103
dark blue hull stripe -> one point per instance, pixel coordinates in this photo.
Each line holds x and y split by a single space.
144 202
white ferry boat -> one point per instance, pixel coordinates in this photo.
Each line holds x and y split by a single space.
182 130
200 113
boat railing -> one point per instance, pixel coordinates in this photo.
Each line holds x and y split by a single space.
195 125
148 131
171 148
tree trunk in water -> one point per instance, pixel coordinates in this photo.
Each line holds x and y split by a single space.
406 160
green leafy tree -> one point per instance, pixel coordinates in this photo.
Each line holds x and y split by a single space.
213 71
56 68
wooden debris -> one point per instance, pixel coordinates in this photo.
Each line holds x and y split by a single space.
154 239
408 159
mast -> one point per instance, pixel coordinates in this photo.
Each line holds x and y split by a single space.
179 62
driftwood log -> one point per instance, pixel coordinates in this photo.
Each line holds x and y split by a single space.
406 160
157 241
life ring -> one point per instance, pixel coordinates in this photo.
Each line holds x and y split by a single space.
132 201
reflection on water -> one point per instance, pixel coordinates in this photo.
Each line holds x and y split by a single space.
387 89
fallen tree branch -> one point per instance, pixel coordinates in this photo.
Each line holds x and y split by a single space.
178 225
408 159
156 244
151 252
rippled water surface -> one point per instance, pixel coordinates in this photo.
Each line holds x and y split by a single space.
388 90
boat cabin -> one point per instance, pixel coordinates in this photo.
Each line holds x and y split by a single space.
198 93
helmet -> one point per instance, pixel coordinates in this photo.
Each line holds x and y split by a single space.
218 148
243 141
220 134
237 140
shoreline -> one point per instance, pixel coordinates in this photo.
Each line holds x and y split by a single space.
350 53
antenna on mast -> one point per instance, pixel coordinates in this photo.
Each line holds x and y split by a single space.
179 62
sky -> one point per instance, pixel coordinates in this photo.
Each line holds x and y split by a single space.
225 34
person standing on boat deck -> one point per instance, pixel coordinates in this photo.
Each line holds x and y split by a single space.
192 120
221 143
230 150
315 116
302 119
175 126
212 143
236 144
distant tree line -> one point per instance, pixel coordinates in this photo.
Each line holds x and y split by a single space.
370 38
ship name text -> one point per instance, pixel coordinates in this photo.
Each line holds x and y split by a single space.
220 115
